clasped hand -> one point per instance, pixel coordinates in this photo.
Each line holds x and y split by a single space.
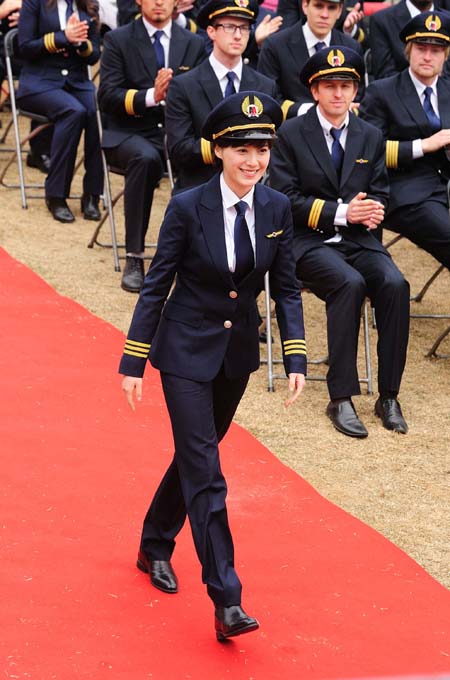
367 211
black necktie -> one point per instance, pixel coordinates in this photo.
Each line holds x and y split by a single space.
69 10
319 45
337 152
242 243
433 119
230 89
159 49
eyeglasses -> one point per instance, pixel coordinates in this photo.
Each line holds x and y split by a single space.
232 28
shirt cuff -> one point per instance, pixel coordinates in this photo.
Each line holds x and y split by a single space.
303 108
150 98
417 150
340 219
181 21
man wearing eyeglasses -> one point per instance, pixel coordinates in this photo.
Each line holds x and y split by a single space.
193 95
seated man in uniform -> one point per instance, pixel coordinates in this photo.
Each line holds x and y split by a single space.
331 165
138 63
412 109
387 48
284 54
193 95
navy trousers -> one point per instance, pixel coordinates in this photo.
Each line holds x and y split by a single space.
194 485
343 275
71 112
427 225
142 162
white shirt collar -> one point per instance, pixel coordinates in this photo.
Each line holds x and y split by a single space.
312 39
221 71
412 9
420 87
229 198
326 125
151 30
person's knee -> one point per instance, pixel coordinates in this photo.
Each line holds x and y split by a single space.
352 285
395 285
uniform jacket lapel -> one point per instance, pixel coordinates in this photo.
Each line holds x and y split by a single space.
145 49
212 224
318 146
410 100
177 47
353 148
297 44
264 224
209 83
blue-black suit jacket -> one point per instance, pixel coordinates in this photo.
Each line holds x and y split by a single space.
50 61
209 320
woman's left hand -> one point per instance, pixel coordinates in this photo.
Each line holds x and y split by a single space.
296 385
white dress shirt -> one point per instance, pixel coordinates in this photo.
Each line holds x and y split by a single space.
417 150
221 73
340 218
229 200
62 9
165 42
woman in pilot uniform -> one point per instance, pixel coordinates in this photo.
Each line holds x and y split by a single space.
58 39
218 240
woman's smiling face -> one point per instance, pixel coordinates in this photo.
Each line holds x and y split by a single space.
243 166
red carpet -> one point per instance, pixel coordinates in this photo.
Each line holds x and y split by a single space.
334 598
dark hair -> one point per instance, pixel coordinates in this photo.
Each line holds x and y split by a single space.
89 6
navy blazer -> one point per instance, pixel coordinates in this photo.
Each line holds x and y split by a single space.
301 167
50 61
190 99
283 56
392 105
209 320
129 69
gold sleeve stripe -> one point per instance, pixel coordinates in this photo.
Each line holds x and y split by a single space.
88 51
129 97
140 355
314 213
392 154
361 35
49 43
192 26
206 151
285 106
287 343
295 351
145 345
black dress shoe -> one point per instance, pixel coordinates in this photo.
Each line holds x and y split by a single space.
133 274
263 337
231 621
39 160
391 415
162 576
345 419
59 209
89 207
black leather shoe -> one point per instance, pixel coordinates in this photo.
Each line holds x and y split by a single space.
231 621
39 161
59 209
263 337
133 274
345 419
89 207
162 576
391 415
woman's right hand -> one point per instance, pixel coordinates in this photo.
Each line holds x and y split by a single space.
76 30
132 386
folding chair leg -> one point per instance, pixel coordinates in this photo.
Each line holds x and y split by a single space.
432 351
109 205
367 349
421 293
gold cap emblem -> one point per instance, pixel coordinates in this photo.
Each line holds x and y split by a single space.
241 3
252 109
335 58
433 23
